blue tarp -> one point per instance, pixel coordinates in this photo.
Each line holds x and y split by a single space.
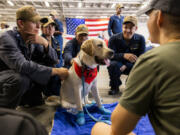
65 124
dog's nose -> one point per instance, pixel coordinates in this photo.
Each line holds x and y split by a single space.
111 53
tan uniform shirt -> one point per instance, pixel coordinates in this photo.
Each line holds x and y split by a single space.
153 87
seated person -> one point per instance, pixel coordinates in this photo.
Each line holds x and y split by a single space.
73 46
21 78
48 30
128 46
4 27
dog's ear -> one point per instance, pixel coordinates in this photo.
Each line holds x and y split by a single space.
87 47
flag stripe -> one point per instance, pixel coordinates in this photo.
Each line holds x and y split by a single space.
101 22
90 25
93 35
99 29
96 20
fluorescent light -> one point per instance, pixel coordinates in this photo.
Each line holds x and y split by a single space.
113 5
47 4
79 16
144 5
10 3
79 4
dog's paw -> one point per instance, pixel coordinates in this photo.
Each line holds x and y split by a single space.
80 118
104 110
53 101
91 104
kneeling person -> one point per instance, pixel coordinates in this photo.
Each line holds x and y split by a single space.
128 46
20 75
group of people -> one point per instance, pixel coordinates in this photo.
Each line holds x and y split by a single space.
127 46
28 60
31 64
153 84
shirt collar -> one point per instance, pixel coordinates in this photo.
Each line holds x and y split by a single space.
18 37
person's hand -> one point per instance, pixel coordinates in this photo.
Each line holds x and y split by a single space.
36 39
130 57
131 133
58 33
72 60
61 72
123 68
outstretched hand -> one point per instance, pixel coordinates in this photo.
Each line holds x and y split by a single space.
61 72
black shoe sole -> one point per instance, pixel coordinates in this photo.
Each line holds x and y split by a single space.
112 92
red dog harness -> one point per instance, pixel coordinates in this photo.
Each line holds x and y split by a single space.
89 74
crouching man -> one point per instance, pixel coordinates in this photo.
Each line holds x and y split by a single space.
19 75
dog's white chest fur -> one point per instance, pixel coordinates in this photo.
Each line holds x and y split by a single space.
93 52
72 90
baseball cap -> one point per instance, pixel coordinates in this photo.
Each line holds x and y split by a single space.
171 7
131 19
4 23
49 21
54 13
82 29
28 13
119 6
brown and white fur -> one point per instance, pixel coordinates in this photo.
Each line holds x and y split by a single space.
93 52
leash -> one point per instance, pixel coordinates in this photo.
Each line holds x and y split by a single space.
107 121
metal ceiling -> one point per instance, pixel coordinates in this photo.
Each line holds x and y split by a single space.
71 8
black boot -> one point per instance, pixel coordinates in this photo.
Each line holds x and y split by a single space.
113 91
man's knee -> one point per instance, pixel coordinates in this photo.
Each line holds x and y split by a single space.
12 88
114 64
24 82
114 68
19 83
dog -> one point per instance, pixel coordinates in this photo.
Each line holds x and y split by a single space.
93 52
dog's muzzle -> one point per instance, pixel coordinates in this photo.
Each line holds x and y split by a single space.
110 54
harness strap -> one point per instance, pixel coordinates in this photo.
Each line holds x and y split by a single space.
107 121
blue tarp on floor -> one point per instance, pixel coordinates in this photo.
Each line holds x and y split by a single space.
64 123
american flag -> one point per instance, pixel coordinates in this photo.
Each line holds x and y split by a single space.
95 26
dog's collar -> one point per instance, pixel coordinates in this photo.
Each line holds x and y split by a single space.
88 73
84 66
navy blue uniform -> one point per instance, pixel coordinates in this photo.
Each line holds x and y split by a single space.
18 73
115 25
71 50
117 43
59 38
53 86
45 61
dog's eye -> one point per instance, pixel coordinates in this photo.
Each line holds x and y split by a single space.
100 45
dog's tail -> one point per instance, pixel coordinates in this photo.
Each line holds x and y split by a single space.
53 101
